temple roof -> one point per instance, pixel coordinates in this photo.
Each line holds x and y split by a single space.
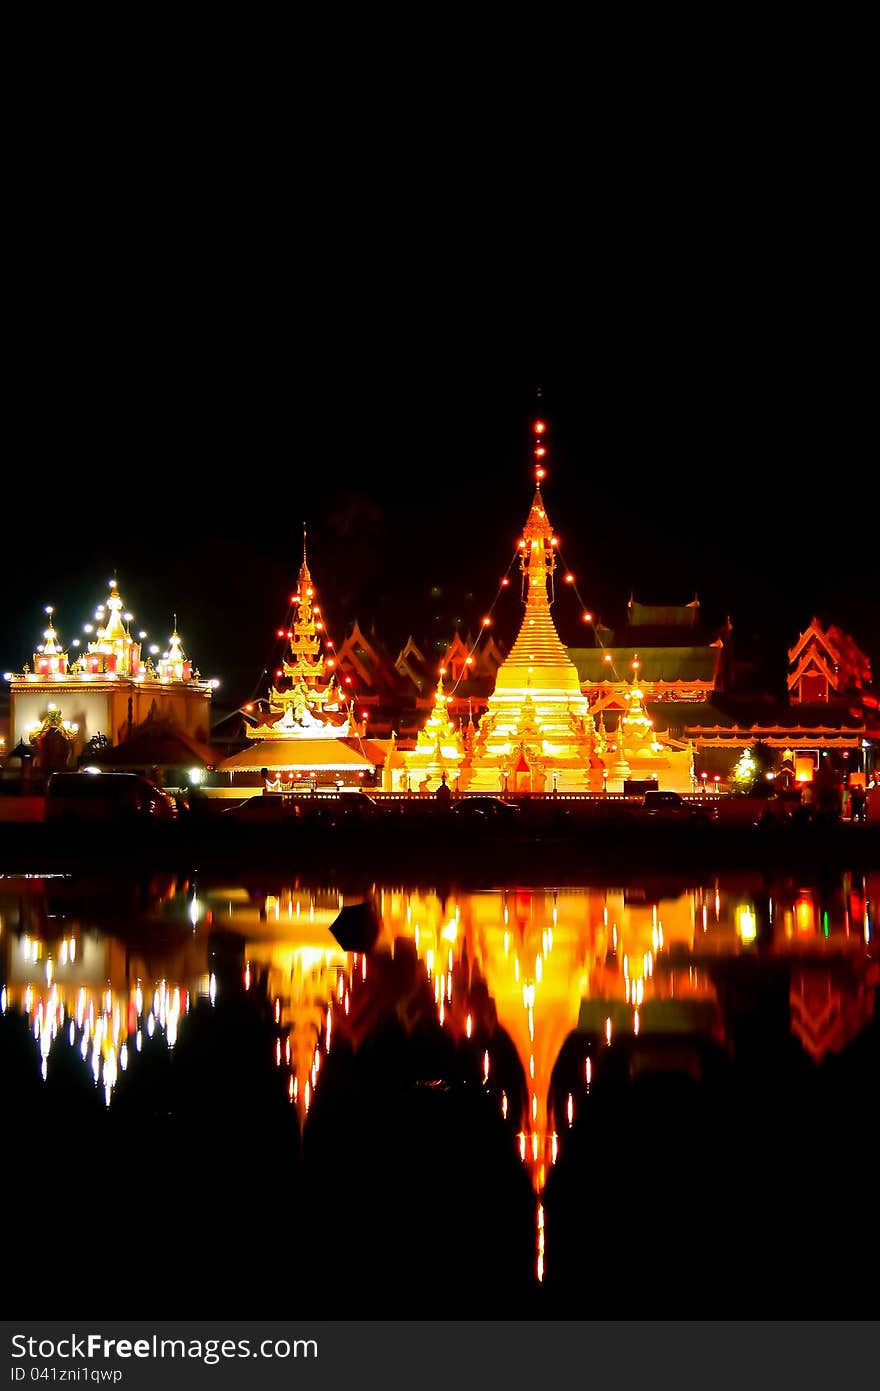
663 615
153 745
311 755
656 663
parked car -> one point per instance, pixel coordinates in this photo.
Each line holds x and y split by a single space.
265 810
485 809
672 807
72 797
763 806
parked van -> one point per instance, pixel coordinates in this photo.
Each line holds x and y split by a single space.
106 797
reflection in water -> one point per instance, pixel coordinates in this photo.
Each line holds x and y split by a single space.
542 990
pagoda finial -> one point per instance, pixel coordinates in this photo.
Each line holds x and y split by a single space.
305 561
539 427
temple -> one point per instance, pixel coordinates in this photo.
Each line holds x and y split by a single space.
108 686
538 732
309 737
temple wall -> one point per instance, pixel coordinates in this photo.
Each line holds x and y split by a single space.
88 709
97 710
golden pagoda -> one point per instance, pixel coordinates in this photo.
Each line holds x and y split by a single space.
639 753
537 734
302 707
309 739
440 748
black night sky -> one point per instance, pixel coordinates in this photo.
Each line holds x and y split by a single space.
177 407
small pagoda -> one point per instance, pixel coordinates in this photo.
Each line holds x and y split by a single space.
440 750
638 754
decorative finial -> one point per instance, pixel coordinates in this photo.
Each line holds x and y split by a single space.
304 543
540 429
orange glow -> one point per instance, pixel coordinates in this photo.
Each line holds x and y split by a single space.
249 707
505 582
588 618
468 661
540 427
607 657
487 622
540 451
540 473
569 579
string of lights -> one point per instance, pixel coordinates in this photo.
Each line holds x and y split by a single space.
540 451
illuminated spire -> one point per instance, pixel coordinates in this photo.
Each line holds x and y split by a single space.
300 703
50 659
114 630
175 646
538 655
440 745
175 665
537 734
119 653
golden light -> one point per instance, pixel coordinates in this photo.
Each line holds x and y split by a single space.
540 427
569 579
540 473
746 923
607 657
487 622
540 451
